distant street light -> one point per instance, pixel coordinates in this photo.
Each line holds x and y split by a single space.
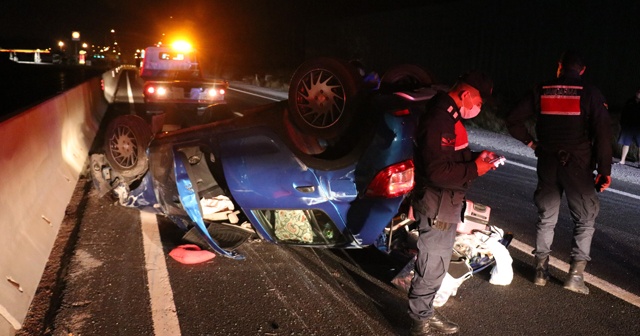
75 37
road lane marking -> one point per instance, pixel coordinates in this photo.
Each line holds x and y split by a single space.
513 163
132 109
588 278
615 191
257 95
163 308
620 192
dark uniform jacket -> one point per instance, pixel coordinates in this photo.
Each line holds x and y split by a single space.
572 116
444 163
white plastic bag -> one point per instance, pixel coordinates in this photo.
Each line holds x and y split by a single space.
502 272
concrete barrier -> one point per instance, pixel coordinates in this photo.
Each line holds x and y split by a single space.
42 153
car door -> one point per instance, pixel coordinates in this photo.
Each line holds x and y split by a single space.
285 199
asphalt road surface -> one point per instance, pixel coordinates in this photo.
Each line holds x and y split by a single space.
110 274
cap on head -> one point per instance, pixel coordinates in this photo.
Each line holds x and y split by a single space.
479 81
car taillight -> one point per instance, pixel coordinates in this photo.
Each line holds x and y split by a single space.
151 90
393 181
222 91
161 91
213 92
400 113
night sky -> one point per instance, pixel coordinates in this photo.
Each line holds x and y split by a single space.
139 23
517 42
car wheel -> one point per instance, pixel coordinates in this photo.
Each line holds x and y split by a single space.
405 77
126 141
323 97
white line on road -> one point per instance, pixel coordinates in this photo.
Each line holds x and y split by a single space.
615 191
163 309
589 278
257 95
130 94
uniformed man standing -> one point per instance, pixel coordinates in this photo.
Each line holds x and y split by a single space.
445 167
573 131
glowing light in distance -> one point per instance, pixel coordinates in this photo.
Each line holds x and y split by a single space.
183 46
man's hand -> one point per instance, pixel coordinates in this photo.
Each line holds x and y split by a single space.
602 182
483 163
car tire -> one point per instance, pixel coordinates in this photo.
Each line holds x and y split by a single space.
126 140
324 97
405 77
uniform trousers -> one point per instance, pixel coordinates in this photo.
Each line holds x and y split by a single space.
574 178
435 245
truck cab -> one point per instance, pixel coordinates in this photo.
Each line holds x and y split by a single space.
164 63
176 88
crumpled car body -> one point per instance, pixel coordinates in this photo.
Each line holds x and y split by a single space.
323 190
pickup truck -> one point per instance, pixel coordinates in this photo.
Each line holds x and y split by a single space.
175 88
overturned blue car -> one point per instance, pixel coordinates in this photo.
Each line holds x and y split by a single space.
329 167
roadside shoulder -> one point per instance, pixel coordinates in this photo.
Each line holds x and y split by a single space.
507 144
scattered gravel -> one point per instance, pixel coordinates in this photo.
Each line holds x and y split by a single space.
629 172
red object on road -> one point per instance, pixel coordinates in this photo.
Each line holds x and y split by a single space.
191 254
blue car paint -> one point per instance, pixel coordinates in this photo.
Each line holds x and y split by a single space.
191 204
143 197
266 179
393 143
262 173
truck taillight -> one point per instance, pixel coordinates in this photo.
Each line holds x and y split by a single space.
160 91
393 181
214 92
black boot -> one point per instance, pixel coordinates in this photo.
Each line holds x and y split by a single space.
435 323
576 279
542 271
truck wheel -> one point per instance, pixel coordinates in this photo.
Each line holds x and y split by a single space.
405 77
323 97
126 141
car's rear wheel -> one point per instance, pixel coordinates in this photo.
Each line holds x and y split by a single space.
405 77
126 141
323 97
